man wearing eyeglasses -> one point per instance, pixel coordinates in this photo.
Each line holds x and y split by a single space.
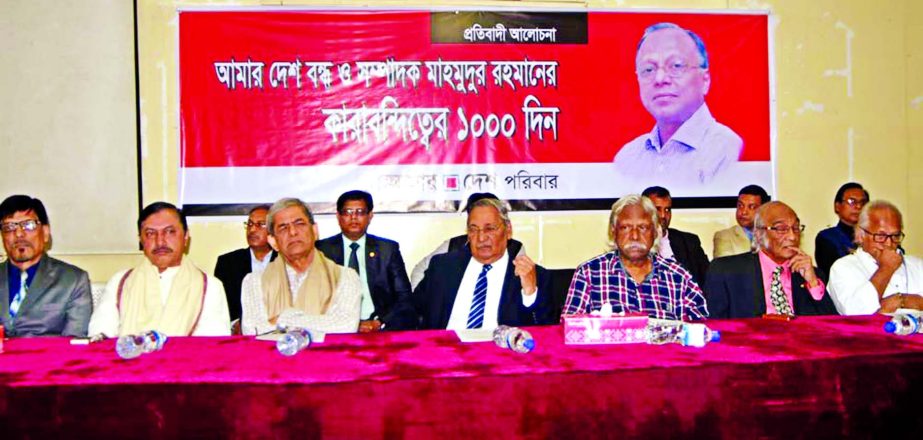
686 143
777 278
877 277
833 243
377 260
302 288
40 294
483 285
233 266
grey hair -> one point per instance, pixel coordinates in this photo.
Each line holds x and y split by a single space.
760 240
876 205
286 203
699 44
500 206
634 200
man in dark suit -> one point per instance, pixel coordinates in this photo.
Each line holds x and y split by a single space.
484 285
40 295
778 278
684 247
233 266
377 260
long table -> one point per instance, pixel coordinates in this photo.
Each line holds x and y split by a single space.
808 378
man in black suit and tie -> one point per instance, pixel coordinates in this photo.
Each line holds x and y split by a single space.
377 260
684 247
233 266
39 295
778 278
485 284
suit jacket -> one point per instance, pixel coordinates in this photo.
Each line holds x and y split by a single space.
734 289
731 241
59 301
434 298
688 252
831 244
384 269
231 269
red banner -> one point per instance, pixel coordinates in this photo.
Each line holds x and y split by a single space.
430 106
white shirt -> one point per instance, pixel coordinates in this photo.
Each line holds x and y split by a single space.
368 307
458 320
416 275
342 316
665 250
851 287
257 265
214 320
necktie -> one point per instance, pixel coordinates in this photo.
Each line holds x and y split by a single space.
476 315
353 258
777 295
21 295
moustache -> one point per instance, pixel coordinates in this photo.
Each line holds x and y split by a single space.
162 250
22 243
636 246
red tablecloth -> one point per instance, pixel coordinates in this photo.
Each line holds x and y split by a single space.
828 376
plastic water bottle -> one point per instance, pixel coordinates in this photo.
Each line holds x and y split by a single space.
132 346
294 340
514 338
661 331
903 324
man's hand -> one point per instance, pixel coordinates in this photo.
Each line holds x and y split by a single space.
802 264
525 270
888 259
890 304
371 325
911 301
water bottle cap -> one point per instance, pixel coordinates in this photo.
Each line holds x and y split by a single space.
715 336
890 327
529 343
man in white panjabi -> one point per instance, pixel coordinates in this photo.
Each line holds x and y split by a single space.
166 292
302 288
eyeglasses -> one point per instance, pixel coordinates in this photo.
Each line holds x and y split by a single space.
249 224
489 230
855 203
25 225
358 212
297 225
896 238
674 69
785 229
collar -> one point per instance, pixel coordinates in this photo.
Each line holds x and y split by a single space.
14 272
767 261
691 134
265 259
615 263
360 241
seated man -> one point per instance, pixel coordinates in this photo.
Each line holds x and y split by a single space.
777 278
483 285
738 239
166 292
39 295
303 288
878 277
681 246
377 260
633 277
233 266
833 243
458 242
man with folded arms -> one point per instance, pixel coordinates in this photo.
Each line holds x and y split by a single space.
484 284
633 277
878 277
39 295
777 278
302 288
166 292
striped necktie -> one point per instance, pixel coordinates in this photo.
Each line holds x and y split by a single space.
21 295
476 315
777 295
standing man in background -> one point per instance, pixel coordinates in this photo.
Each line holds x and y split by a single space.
233 266
683 247
738 239
833 243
